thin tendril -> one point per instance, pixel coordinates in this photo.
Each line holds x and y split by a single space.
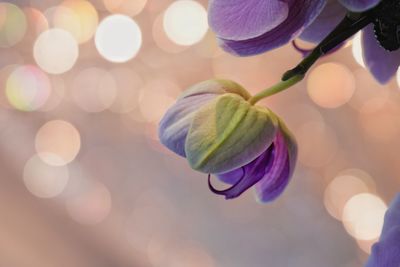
223 192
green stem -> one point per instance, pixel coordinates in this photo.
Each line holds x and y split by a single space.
351 23
276 88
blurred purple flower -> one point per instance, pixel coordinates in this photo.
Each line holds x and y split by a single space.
219 132
252 27
386 253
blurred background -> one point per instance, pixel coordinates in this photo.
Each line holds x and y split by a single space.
85 182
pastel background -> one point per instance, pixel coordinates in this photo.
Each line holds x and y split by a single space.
84 181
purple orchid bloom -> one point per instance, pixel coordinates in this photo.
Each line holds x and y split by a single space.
386 253
252 27
219 131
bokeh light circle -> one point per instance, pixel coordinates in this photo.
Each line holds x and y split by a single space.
318 143
13 25
94 90
127 7
363 216
357 49
185 22
154 99
330 85
398 77
55 51
59 138
90 206
37 23
378 119
43 180
340 190
57 94
118 38
128 85
79 18
366 90
162 40
27 88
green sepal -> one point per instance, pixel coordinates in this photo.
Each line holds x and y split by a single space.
228 133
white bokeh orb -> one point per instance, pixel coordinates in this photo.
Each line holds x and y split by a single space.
55 51
185 22
118 38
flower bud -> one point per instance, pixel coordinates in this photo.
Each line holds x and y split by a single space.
219 132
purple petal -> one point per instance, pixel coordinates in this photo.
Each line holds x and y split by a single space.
392 216
301 14
232 177
330 16
386 253
251 174
359 5
241 20
174 126
277 178
270 172
381 63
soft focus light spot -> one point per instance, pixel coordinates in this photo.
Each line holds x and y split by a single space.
360 174
208 48
154 100
91 205
366 245
398 77
339 191
118 38
298 114
57 94
188 254
357 49
153 106
366 90
318 144
37 23
127 7
185 22
78 18
5 73
150 208
27 88
330 85
162 40
246 70
363 216
94 90
12 25
55 51
58 138
379 119
128 85
45 181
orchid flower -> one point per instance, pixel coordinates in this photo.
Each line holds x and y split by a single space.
218 128
255 26
386 253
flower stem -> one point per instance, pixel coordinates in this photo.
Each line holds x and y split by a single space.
351 24
276 88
